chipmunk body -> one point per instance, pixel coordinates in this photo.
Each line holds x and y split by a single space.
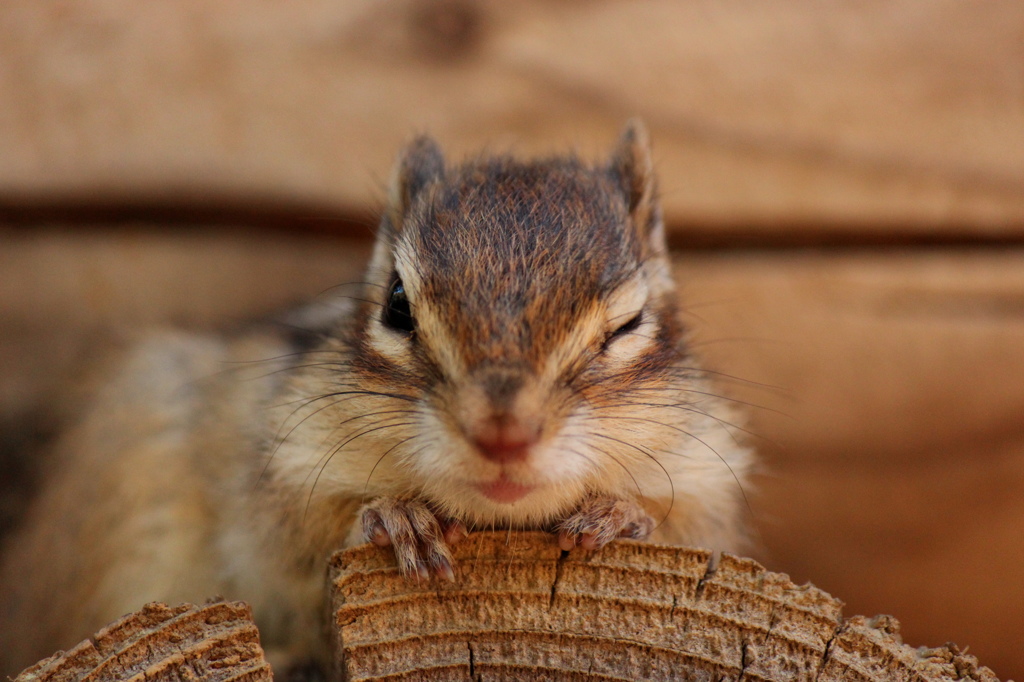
514 359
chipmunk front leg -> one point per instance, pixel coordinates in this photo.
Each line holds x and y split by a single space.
419 537
602 518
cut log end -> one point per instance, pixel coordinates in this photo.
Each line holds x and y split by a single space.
631 611
522 609
215 642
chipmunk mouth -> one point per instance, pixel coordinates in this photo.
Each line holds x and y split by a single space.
504 490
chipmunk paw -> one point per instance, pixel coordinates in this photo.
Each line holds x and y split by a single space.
601 519
419 537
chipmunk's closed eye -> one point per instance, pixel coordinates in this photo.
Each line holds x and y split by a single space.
397 313
630 325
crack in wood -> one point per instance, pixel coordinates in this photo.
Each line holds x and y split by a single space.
744 661
709 573
559 567
827 653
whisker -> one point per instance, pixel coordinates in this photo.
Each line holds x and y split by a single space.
351 436
615 459
731 377
349 395
379 394
292 368
329 456
347 284
719 396
284 356
687 408
734 339
280 441
239 365
305 400
728 466
380 459
650 455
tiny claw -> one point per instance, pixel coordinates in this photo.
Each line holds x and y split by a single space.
379 535
418 537
601 519
374 529
636 531
443 569
454 531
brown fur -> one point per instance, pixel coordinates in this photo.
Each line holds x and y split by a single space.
543 382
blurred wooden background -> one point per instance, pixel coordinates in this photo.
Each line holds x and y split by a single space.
844 187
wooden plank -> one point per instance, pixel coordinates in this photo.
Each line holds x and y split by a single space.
893 439
61 291
872 117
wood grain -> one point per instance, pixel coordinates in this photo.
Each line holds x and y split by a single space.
870 119
520 608
887 410
214 642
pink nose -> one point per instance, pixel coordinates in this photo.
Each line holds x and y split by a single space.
503 439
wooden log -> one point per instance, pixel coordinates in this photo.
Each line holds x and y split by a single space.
214 642
522 609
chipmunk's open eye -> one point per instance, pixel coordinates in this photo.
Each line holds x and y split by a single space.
630 325
397 314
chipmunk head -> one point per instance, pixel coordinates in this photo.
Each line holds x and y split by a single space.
520 312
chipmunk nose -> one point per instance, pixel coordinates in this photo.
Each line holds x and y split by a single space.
505 439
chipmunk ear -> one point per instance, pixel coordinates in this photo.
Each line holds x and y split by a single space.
419 164
632 167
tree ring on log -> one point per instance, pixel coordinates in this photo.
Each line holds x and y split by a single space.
215 642
522 609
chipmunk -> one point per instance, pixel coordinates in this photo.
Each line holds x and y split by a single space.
514 359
